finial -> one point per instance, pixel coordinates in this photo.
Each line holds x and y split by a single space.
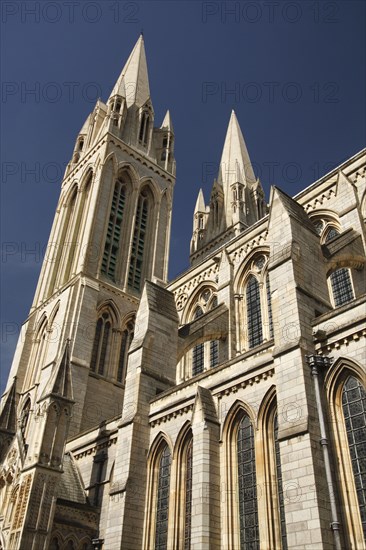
142 32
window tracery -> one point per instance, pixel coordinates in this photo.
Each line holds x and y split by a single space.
253 305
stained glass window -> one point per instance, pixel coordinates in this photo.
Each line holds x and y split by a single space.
354 411
198 359
341 286
269 303
248 512
111 246
161 533
214 353
188 502
255 331
331 233
280 484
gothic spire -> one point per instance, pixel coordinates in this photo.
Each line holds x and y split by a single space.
133 82
200 203
167 123
235 165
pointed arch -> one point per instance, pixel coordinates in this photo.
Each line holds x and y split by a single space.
108 318
110 306
182 475
347 416
121 192
87 176
195 298
70 543
246 267
127 334
159 465
54 313
269 471
149 182
238 438
39 349
253 309
70 193
111 159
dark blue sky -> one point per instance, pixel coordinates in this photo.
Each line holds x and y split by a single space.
293 71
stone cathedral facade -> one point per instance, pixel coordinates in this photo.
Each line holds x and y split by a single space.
225 409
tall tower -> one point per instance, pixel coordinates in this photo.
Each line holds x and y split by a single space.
110 233
237 197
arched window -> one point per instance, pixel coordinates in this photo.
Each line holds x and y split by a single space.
248 512
61 247
101 344
281 504
326 225
24 418
139 240
188 495
198 352
254 316
74 237
253 305
127 337
331 232
354 412
341 286
162 509
144 128
214 353
205 355
114 229
269 305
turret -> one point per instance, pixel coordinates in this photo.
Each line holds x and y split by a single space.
199 222
237 198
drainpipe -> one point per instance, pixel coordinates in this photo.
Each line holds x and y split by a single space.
316 363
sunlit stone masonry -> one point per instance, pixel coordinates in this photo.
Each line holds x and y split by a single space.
225 409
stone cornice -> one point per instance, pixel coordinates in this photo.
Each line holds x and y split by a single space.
94 449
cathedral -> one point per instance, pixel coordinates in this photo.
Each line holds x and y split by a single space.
222 410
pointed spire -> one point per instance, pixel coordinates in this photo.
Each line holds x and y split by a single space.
167 123
200 203
8 415
133 82
60 382
235 165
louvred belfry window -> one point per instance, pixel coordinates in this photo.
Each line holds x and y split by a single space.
113 238
138 244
